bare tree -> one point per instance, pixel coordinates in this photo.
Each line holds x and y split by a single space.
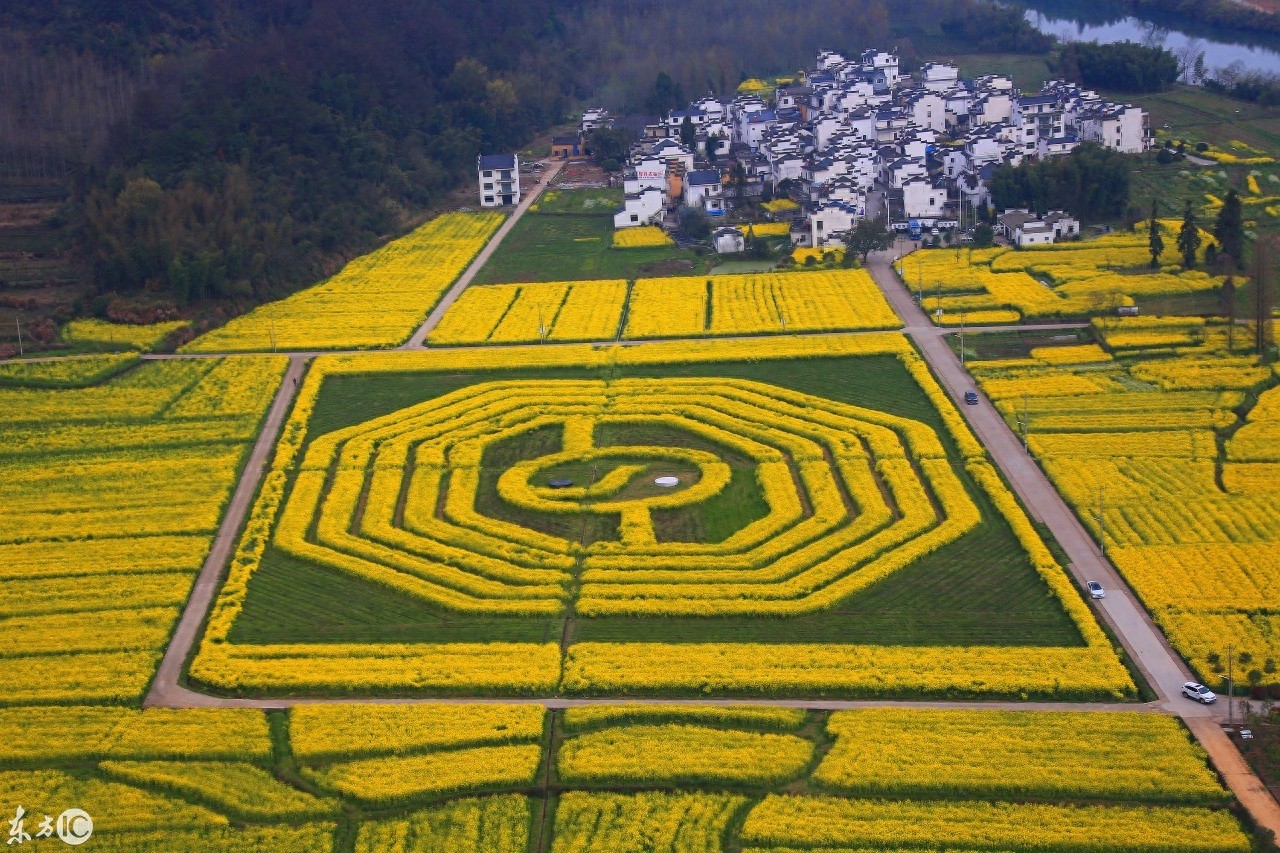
1187 55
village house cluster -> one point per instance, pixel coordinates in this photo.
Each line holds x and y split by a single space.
858 138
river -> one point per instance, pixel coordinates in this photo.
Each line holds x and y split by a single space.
1103 21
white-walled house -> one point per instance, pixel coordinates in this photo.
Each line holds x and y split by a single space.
499 179
1120 127
991 108
669 149
592 118
702 188
927 109
643 207
1023 228
646 172
882 61
921 199
1057 146
728 241
938 76
826 225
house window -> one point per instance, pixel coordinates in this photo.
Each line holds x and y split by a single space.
488 199
488 185
635 217
488 174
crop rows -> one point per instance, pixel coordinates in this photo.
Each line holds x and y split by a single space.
1149 443
792 560
758 303
521 313
1063 279
104 531
210 778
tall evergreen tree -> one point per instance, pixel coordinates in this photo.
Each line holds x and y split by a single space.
688 136
1229 228
1189 237
1154 240
665 96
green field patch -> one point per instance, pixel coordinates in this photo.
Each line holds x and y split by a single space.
569 238
978 590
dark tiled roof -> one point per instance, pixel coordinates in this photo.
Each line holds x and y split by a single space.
702 177
496 161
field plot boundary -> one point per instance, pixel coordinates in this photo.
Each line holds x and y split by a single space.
1106 674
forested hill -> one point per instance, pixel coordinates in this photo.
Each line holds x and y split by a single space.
242 147
237 149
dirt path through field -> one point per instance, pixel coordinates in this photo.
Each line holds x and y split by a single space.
165 689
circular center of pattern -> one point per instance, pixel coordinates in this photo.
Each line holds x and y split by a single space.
452 500
613 472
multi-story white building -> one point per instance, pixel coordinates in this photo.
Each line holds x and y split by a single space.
702 188
1120 127
939 77
642 207
499 176
921 199
883 62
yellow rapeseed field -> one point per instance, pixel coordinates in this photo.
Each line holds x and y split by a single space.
377 300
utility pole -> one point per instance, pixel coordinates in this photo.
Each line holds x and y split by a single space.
18 321
1102 524
1022 424
1231 686
962 339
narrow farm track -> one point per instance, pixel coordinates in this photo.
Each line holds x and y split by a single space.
446 302
927 329
165 690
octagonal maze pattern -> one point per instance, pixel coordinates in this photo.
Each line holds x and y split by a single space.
852 494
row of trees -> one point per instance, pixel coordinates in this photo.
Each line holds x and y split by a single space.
1125 66
987 27
1219 13
1091 183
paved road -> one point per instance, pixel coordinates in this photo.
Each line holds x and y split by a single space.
420 336
165 689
